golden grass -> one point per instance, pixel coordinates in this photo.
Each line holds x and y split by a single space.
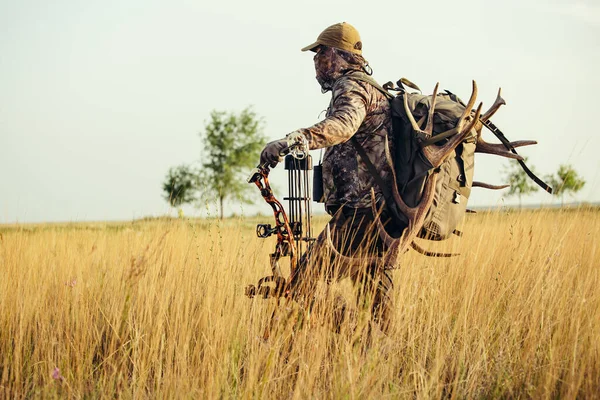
156 309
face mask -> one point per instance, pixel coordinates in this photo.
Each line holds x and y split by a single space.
328 67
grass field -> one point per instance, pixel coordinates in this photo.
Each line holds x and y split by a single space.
156 309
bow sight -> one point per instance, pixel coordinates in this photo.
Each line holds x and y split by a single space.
294 234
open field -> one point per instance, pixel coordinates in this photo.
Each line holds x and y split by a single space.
156 309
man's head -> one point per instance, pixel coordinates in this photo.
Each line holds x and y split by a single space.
338 50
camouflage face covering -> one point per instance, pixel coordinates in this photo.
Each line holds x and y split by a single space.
332 63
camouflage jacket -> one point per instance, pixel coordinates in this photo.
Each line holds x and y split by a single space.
356 109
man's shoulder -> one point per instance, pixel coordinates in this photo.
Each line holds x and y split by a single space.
354 86
350 82
348 85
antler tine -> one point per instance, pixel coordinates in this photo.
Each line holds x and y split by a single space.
428 253
468 107
437 155
474 121
497 104
387 239
428 132
397 198
488 186
410 116
429 127
499 149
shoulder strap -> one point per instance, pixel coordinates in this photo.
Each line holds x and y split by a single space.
359 76
371 168
387 195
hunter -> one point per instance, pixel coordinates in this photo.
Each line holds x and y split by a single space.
357 112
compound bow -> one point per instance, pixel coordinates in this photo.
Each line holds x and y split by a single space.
291 232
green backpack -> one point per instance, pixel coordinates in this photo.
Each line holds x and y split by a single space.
455 175
412 169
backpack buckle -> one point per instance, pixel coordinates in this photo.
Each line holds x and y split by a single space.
456 199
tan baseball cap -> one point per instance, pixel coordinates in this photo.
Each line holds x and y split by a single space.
342 36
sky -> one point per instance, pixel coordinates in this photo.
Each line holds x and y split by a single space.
99 99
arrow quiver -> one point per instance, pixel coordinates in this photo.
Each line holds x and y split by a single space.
293 231
299 199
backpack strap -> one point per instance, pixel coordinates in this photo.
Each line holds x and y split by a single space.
387 194
360 76
498 133
385 190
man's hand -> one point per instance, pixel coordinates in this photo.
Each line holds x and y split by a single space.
273 152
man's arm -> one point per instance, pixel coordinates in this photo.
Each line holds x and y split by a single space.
348 111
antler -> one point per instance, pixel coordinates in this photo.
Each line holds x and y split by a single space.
428 132
436 155
415 215
428 253
489 186
497 148
497 104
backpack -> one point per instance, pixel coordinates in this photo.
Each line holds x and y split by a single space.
455 175
412 169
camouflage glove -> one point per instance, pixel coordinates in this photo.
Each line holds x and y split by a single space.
273 152
298 144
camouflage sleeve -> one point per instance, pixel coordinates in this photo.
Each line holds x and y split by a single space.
346 114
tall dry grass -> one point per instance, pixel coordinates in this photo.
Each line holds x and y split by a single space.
156 309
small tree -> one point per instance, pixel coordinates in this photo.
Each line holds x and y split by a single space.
520 183
180 186
232 144
566 180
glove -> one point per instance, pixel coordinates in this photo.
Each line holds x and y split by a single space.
298 144
273 152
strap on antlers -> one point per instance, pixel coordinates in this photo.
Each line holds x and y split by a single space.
498 133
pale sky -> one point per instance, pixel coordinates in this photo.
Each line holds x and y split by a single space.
99 98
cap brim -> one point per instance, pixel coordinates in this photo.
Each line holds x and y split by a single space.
311 47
